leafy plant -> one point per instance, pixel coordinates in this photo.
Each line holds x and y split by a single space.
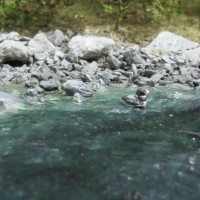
116 8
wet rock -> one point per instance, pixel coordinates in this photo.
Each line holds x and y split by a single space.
13 52
113 62
49 85
31 92
89 47
40 47
75 86
78 98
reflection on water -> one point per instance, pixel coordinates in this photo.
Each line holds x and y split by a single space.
102 149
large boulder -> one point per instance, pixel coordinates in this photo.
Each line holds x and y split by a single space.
170 42
13 51
75 86
40 47
89 47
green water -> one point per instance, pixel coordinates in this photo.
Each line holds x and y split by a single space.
103 149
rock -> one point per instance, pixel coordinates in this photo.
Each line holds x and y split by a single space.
66 65
170 42
13 52
9 36
57 37
75 86
31 92
105 76
193 56
134 69
31 82
89 47
131 56
70 33
113 62
148 73
78 98
2 105
40 47
185 79
49 85
90 68
156 77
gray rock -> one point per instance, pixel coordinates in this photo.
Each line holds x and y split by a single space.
40 47
9 36
105 76
86 77
39 90
78 98
134 69
70 33
170 42
66 65
49 85
31 92
31 82
89 47
156 77
132 56
57 37
149 73
113 62
13 51
75 86
185 79
90 68
193 56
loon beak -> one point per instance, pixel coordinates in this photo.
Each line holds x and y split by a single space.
147 91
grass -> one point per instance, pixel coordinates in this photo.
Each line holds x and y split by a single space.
79 16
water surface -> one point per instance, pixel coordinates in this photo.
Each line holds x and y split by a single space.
103 149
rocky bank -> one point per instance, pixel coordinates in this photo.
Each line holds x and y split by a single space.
83 63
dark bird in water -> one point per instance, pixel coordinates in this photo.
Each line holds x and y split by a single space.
138 100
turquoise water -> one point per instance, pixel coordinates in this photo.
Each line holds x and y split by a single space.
103 149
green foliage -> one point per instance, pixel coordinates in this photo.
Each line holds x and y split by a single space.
165 9
116 8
